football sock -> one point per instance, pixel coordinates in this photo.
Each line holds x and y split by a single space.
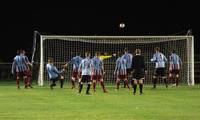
25 82
80 87
118 83
154 82
88 88
61 83
94 86
17 82
73 84
177 81
134 88
141 86
165 80
126 82
103 86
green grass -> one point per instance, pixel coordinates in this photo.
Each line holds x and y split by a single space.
41 103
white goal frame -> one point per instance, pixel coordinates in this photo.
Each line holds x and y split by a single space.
190 51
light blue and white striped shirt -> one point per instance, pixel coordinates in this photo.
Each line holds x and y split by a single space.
52 71
76 61
128 57
19 64
120 68
159 59
97 66
174 62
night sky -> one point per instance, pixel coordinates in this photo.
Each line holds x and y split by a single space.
18 21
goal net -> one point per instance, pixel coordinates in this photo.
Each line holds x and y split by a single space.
63 48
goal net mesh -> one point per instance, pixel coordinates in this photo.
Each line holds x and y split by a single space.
63 48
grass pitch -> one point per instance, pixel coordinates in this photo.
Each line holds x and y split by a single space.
42 103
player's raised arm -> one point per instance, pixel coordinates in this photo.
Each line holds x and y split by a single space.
105 56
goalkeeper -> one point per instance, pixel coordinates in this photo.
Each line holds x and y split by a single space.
106 56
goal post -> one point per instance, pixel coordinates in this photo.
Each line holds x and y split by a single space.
62 48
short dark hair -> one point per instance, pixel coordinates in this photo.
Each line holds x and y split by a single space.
50 60
87 54
78 53
97 53
125 50
119 53
157 49
137 51
21 51
18 52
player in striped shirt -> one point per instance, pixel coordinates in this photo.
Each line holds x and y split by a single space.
29 72
160 60
97 72
175 64
85 70
75 61
121 72
54 74
19 68
128 57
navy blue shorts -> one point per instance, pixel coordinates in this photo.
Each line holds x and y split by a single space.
159 72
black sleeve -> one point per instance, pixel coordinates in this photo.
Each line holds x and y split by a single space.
132 65
143 63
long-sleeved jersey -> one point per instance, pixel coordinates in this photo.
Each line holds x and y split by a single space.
159 59
139 63
103 57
